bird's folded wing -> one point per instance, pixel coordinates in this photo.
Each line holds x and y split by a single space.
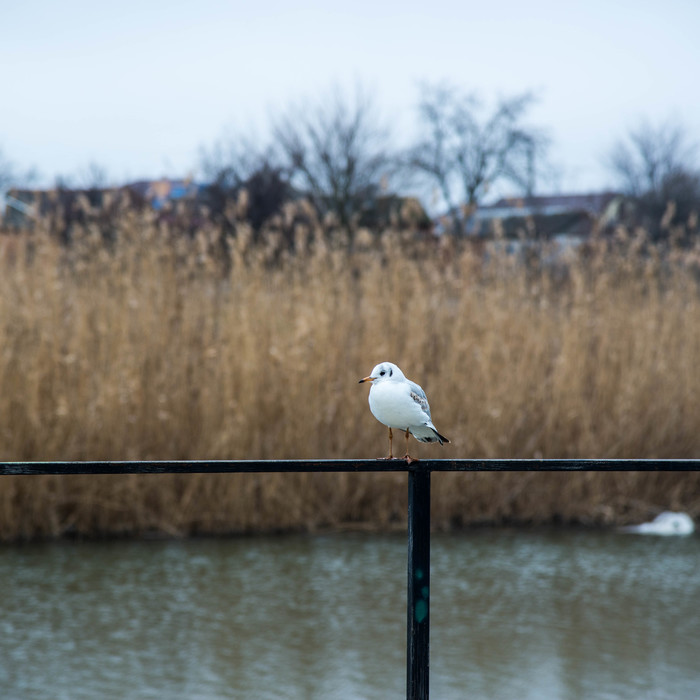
418 395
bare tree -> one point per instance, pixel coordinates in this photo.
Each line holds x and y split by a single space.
649 155
93 177
336 151
232 159
657 166
464 149
234 163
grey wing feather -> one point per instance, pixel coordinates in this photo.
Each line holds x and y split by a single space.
418 395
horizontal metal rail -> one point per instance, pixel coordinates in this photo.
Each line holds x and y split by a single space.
348 465
418 594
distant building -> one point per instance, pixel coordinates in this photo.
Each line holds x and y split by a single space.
158 193
23 206
570 217
599 206
518 225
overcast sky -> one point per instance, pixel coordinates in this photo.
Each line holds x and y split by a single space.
138 87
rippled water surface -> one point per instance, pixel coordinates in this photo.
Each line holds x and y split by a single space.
514 615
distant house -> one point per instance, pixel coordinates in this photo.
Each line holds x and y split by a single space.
596 204
158 193
23 206
568 218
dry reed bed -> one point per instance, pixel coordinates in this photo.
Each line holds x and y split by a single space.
147 350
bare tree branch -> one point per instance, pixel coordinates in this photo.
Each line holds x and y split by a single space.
335 150
93 176
232 159
657 166
463 152
235 162
649 155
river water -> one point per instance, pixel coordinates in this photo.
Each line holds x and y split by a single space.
514 615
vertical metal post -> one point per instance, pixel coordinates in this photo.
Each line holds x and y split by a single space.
418 584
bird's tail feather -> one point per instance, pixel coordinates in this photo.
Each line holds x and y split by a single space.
428 433
441 438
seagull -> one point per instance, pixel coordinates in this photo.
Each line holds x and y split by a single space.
400 403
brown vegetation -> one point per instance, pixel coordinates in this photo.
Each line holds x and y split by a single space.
162 346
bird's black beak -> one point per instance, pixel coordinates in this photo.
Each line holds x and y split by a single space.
366 379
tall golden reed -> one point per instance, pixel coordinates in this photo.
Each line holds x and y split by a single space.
161 346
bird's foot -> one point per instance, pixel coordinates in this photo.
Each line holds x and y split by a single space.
411 460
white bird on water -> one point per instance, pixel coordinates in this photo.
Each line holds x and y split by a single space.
400 403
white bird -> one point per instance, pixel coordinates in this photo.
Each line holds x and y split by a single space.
666 523
400 403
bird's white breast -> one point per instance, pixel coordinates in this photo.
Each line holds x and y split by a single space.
391 403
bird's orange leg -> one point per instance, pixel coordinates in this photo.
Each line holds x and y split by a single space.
391 446
407 456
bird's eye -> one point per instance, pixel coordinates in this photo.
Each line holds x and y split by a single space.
382 373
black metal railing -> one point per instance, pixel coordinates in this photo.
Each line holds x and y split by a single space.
418 595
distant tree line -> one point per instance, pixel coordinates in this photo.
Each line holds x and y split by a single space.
338 153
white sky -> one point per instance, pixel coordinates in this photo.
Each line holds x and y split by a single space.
138 87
